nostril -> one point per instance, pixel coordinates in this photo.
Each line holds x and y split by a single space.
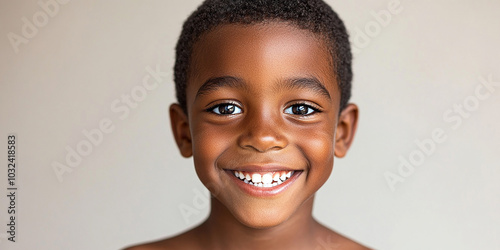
263 143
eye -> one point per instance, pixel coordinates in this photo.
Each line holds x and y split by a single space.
225 109
301 109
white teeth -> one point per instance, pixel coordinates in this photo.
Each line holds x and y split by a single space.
256 178
276 176
283 177
267 179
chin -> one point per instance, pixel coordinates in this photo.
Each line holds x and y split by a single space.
262 218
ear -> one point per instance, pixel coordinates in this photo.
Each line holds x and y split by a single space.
180 127
346 128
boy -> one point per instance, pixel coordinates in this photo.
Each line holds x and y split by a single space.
263 89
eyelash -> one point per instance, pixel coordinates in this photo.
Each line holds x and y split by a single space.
311 109
212 108
314 109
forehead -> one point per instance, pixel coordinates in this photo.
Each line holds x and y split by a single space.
261 53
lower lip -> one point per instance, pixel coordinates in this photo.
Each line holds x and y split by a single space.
263 191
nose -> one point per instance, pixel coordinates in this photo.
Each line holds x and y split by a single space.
262 133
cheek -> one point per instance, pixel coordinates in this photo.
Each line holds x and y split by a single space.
317 145
209 142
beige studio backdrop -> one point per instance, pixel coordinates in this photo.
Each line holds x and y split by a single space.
423 172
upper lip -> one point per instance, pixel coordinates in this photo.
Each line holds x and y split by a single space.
262 168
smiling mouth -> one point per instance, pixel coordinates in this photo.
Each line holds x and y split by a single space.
267 180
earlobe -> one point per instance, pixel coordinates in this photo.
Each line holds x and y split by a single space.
346 128
180 128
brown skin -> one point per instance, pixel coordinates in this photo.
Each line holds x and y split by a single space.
263 74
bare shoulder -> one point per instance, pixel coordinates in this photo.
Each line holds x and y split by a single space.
329 239
347 243
185 240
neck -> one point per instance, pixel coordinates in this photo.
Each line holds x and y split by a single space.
223 231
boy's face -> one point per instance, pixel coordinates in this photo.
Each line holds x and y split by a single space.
262 100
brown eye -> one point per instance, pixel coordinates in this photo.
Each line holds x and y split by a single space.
301 109
226 109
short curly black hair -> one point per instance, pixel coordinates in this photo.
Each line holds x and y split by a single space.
313 15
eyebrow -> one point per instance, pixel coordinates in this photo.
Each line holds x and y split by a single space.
215 83
311 83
